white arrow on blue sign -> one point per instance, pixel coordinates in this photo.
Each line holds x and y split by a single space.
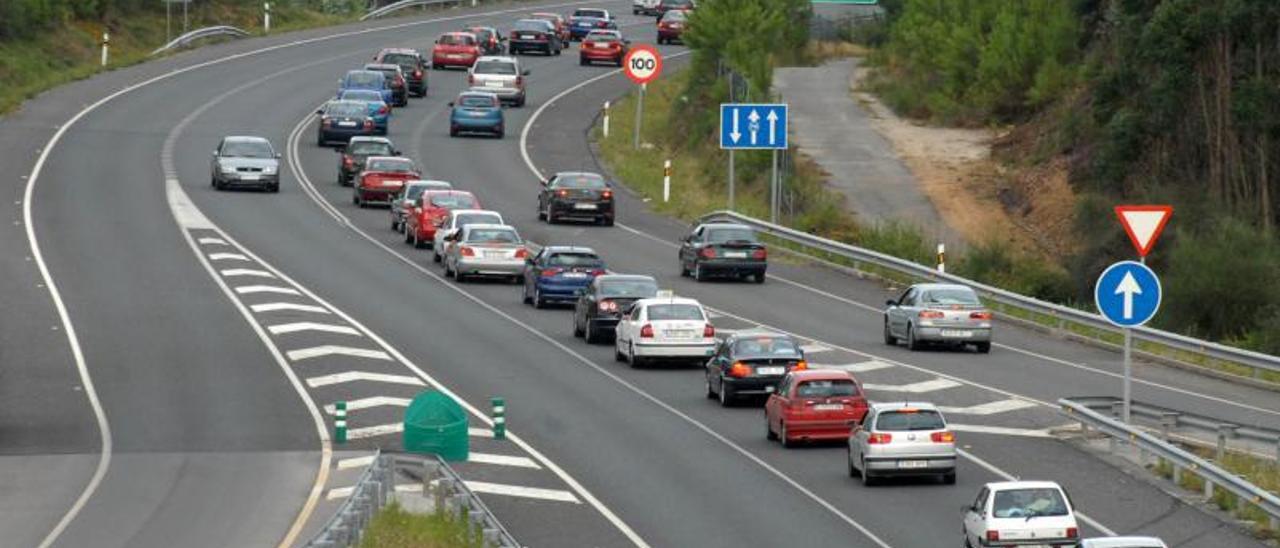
753 125
1127 294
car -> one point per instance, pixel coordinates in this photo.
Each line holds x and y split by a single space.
948 314
603 46
723 249
351 158
814 405
455 220
664 328
645 7
672 25
557 20
395 78
596 13
1001 515
599 306
245 162
1123 542
490 40
485 250
576 195
382 178
412 65
500 75
340 121
902 439
455 49
377 108
581 26
429 212
665 6
534 35
367 80
557 272
476 112
403 201
751 364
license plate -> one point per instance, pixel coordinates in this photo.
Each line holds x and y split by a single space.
495 254
575 274
769 389
584 206
455 56
829 407
736 254
347 124
249 176
956 333
393 182
682 333
913 464
602 46
770 370
478 114
526 37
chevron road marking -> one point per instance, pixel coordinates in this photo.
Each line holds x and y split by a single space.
312 326
250 289
814 348
480 433
228 257
1000 430
502 460
352 376
213 241
989 408
355 462
523 492
246 272
915 387
335 350
374 431
369 403
861 367
273 307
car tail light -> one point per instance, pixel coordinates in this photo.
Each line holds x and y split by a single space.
417 73
739 370
931 314
646 332
993 535
519 81
800 366
346 160
980 315
606 195
522 253
551 272
879 438
327 122
597 272
562 193
1072 532
608 306
368 124
760 254
708 331
588 44
602 24
384 109
708 253
466 251
943 437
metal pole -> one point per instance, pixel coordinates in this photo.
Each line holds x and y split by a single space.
184 15
168 21
773 199
1128 372
731 181
635 143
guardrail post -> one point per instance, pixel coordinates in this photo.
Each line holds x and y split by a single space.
1168 421
1277 455
499 418
340 422
1208 489
1117 409
1177 473
1224 431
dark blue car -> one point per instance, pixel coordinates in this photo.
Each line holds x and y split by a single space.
476 112
557 272
377 108
366 79
580 27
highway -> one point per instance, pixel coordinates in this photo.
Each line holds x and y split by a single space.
217 421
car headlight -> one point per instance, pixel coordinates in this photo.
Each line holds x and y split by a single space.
227 169
269 170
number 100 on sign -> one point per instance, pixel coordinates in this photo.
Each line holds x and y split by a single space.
642 64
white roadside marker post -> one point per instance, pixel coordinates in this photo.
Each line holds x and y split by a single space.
942 258
266 17
666 181
106 41
606 120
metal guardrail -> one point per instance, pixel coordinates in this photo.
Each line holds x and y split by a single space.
1168 419
1182 461
434 478
1060 314
206 32
402 4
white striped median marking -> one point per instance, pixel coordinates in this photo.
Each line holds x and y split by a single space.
230 272
502 460
374 431
312 326
274 307
523 492
340 493
228 257
251 289
915 387
480 433
335 350
989 408
352 376
861 367
213 241
369 403
814 348
1000 430
356 462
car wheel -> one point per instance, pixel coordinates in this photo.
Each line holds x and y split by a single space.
458 276
912 343
589 334
867 479
578 331
759 278
889 339
632 359
949 478
537 298
582 61
395 226
435 257
408 237
274 189
711 394
524 295
726 394
784 437
355 198
983 347
542 214
618 356
499 134
698 274
768 429
853 470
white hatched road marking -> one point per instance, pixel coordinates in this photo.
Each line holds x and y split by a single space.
374 431
503 460
312 326
480 432
228 257
519 491
352 376
356 462
989 408
814 348
1000 430
340 493
213 241
273 307
861 367
335 350
915 387
251 289
246 272
368 403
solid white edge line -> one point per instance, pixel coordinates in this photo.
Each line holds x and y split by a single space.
1010 477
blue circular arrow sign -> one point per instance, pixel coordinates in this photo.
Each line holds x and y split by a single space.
1127 294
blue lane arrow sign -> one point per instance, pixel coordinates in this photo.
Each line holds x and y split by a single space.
758 134
1127 294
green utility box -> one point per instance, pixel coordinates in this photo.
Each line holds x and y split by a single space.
434 423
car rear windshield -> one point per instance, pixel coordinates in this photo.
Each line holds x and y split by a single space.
572 259
495 67
765 346
364 78
369 148
827 389
532 25
600 14
602 37
1029 502
635 289
457 40
247 149
476 101
365 95
950 296
482 34
454 201
345 109
402 59
477 219
493 236
903 421
388 71
581 181
398 166
722 235
674 15
675 311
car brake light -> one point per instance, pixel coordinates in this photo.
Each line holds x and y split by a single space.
608 306
466 251
597 272
1072 532
931 314
739 370
708 331
588 44
522 253
562 193
606 195
550 272
879 438
759 254
384 109
519 81
646 332
993 535
980 315
346 160
708 253
417 73
800 366
601 24
471 79
942 437
328 123
368 124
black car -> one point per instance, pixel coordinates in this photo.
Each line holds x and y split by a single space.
359 149
723 249
751 363
340 121
576 195
534 35
399 84
601 304
411 64
490 40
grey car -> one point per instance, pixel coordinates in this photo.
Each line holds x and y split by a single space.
938 313
409 193
500 75
245 162
485 250
902 439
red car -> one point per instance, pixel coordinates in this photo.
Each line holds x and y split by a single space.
603 46
430 211
562 26
455 49
382 178
672 25
814 405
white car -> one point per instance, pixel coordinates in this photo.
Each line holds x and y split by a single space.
665 327
1123 542
645 7
1021 513
455 220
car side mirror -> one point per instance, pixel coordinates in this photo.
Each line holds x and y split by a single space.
319 111
543 182
525 72
277 155
395 152
450 104
891 302
340 149
215 153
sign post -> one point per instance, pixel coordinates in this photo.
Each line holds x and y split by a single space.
642 64
755 126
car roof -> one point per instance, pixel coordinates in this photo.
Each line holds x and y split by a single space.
459 33
482 27
245 139
617 33
1021 484
942 286
410 51
890 406
457 212
578 174
621 277
821 374
567 249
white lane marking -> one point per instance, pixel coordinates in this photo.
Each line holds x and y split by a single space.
713 315
860 367
341 492
915 387
184 211
336 350
251 289
312 326
212 241
480 433
1000 430
814 348
520 491
353 376
1010 477
989 408
374 431
274 307
227 257
355 462
230 272
369 403
503 460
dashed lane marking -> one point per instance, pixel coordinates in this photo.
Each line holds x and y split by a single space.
251 289
275 307
230 272
989 408
352 376
861 367
503 460
312 326
213 241
335 350
369 403
915 387
228 257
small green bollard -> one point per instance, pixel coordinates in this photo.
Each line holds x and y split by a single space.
499 418
340 422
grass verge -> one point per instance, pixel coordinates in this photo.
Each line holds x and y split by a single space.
1264 473
393 527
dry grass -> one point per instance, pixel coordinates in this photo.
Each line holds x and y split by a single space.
393 527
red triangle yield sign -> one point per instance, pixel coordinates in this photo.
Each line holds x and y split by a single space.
1143 224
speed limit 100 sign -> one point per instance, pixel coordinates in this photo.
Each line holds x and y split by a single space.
642 63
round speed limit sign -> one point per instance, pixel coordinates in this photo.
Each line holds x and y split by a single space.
642 63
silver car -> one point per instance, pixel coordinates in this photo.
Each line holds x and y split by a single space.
454 221
245 162
485 250
902 439
409 193
938 313
501 76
